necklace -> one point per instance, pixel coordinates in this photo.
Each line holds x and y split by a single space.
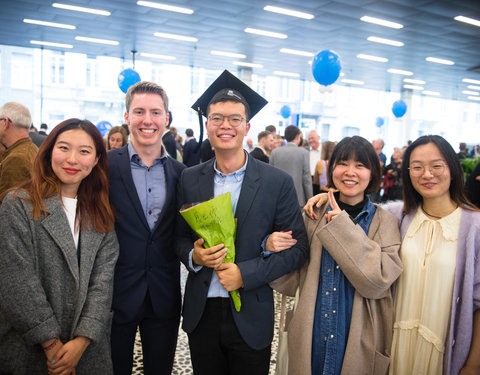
435 217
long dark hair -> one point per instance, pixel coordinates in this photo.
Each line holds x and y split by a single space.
359 149
93 205
411 198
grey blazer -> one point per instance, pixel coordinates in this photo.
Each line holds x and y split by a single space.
46 290
296 162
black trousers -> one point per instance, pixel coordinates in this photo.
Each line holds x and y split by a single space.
217 348
159 341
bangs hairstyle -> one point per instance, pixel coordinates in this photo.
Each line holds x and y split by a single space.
361 150
93 208
145 87
115 130
411 198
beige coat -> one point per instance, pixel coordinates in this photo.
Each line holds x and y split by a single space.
372 265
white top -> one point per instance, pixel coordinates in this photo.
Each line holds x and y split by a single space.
70 208
314 158
424 292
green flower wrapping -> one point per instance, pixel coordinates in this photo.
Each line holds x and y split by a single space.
214 222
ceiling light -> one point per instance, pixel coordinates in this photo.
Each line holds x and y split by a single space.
266 33
176 37
471 21
434 93
414 81
471 87
297 52
389 42
229 54
286 74
439 61
466 92
372 58
474 81
288 12
96 40
155 56
161 6
352 81
473 97
381 22
51 44
398 71
413 87
50 24
248 65
81 9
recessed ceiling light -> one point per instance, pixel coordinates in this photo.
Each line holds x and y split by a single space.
229 54
413 87
434 93
155 56
471 21
81 9
381 22
389 42
50 24
288 12
466 92
270 34
372 58
248 65
161 6
439 61
96 40
399 71
352 81
414 81
474 81
473 97
471 87
51 44
296 52
286 74
176 37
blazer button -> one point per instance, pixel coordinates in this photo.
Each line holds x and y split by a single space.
458 299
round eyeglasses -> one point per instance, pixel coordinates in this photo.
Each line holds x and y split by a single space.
436 169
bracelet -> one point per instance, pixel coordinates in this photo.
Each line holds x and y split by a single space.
51 345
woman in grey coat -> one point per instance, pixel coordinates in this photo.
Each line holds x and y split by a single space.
58 253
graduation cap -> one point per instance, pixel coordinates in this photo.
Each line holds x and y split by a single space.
227 87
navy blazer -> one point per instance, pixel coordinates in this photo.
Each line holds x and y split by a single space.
147 260
267 203
191 153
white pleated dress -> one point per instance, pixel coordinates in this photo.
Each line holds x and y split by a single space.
423 296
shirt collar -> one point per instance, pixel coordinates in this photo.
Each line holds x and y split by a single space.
447 223
133 154
238 174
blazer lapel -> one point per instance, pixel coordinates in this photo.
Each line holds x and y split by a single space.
56 224
206 181
127 179
250 185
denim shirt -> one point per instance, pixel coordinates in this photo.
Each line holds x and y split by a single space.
333 309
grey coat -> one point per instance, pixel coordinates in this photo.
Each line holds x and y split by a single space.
45 291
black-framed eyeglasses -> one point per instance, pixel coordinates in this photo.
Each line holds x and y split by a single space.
436 169
217 119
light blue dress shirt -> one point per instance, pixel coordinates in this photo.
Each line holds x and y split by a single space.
150 183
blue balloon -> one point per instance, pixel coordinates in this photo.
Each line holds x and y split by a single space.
399 108
104 127
127 78
285 111
379 122
326 67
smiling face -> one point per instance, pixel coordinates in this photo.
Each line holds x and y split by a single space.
428 185
147 120
115 141
226 137
351 177
73 158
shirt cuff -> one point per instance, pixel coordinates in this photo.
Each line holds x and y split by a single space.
265 253
194 267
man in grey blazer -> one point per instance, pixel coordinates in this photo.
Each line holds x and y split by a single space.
295 161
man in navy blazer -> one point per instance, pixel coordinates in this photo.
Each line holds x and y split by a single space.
143 182
223 341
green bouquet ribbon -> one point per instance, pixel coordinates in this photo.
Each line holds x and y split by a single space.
214 222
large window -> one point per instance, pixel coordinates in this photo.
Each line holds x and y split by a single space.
57 69
21 69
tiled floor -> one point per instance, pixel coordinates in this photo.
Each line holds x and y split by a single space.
182 365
